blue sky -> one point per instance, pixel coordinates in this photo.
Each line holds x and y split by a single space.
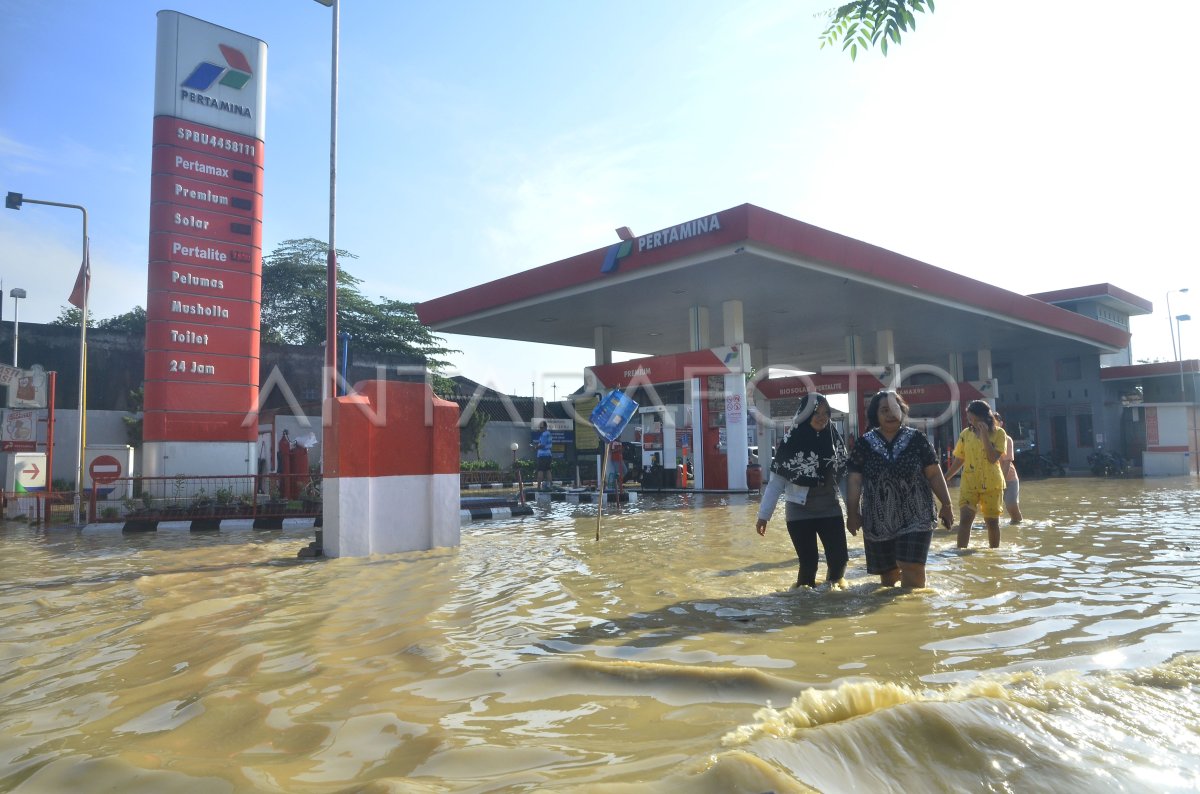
1035 145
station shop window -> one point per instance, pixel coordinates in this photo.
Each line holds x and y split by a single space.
1069 368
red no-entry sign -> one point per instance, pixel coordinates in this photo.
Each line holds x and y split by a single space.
105 469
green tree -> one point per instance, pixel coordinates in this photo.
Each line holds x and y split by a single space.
133 422
69 316
293 291
471 433
864 23
294 299
132 321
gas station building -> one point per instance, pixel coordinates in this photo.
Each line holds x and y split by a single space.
739 313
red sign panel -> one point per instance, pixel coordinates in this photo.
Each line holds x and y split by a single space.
200 367
799 385
206 224
187 192
189 250
671 368
176 306
195 339
209 140
939 393
209 168
205 281
177 426
201 397
1152 427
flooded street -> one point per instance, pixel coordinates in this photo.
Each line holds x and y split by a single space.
535 658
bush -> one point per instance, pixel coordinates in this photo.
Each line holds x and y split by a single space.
479 465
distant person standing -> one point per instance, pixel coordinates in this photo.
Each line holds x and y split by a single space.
616 465
1012 483
545 452
281 458
894 475
977 453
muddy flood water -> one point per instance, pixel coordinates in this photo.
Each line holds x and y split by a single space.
668 657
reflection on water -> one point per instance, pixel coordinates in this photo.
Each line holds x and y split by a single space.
669 656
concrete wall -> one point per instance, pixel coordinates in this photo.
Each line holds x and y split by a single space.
497 442
1041 390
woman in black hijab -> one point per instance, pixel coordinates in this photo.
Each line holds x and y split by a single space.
809 463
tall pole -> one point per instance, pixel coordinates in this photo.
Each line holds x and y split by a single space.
1170 316
14 201
1171 327
331 261
16 329
16 293
83 321
1179 336
52 381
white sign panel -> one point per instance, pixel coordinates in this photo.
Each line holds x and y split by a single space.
28 389
29 471
210 74
18 426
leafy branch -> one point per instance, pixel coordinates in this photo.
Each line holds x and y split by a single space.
864 24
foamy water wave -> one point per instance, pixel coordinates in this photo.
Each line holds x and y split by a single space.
1132 730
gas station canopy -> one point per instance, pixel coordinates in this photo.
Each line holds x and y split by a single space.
803 291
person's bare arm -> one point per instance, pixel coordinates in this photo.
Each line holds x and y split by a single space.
937 483
989 447
853 496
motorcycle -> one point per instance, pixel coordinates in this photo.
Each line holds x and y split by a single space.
1031 463
1106 464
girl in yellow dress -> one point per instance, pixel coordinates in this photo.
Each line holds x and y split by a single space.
977 453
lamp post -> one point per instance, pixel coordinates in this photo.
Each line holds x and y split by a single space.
514 446
13 201
331 256
1182 391
1171 327
1179 336
16 293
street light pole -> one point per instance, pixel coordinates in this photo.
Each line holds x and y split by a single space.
1171 327
1179 336
13 202
331 382
16 293
1191 408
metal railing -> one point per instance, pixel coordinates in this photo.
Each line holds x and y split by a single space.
206 499
39 507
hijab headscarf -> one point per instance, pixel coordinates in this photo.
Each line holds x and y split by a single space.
808 457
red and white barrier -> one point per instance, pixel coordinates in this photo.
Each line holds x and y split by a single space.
391 471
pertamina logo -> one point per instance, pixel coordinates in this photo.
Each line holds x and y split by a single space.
668 236
235 74
614 255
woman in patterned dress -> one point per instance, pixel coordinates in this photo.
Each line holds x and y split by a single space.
894 475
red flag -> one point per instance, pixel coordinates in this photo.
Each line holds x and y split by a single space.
83 282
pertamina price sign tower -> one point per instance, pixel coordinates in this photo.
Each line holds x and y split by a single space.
205 265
